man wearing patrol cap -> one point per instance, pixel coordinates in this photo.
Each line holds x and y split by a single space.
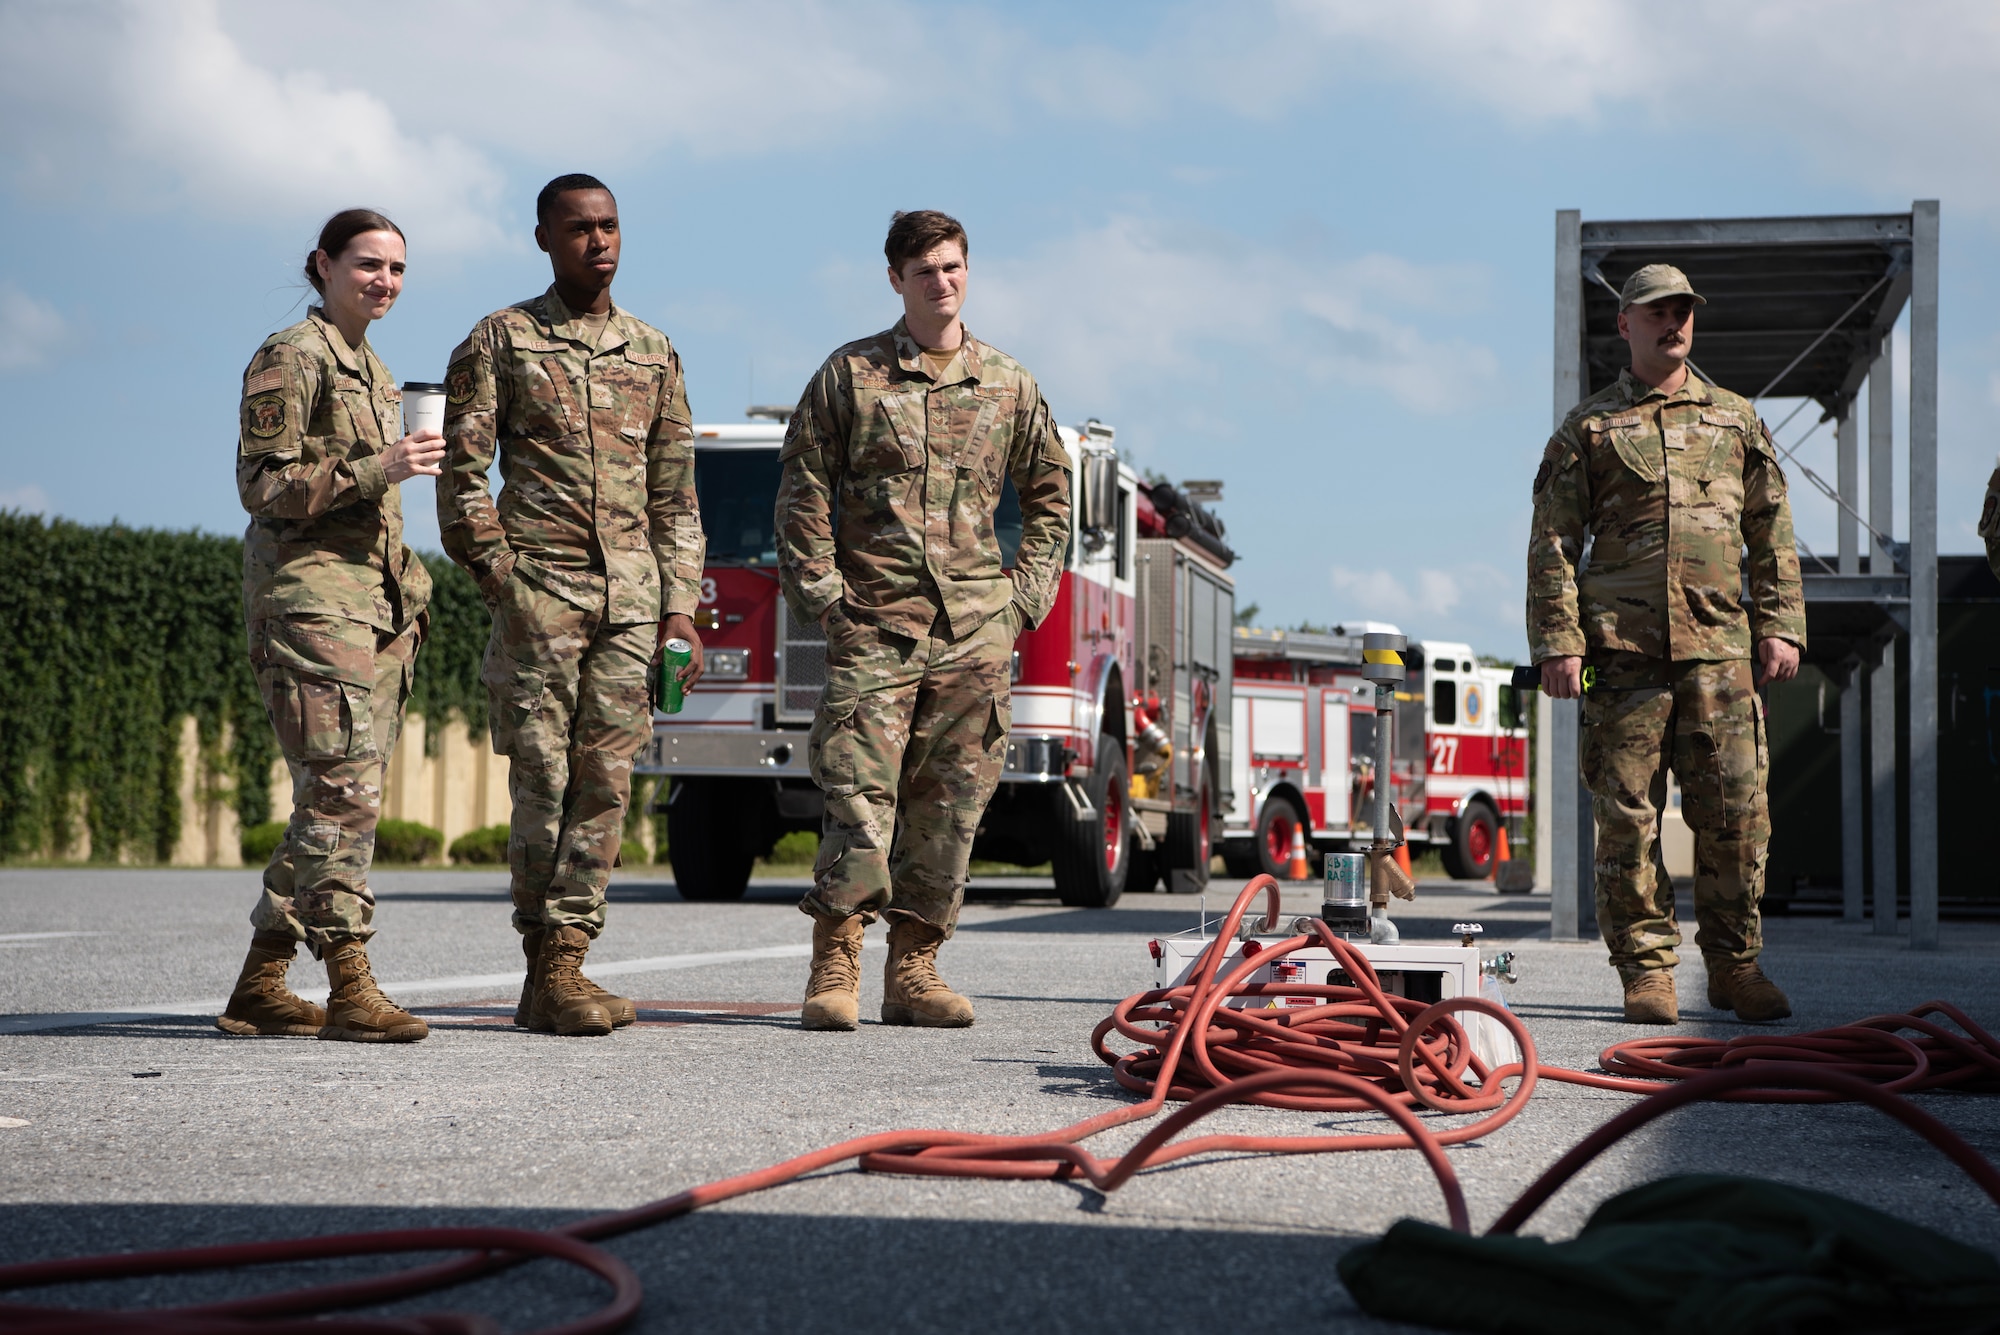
1670 479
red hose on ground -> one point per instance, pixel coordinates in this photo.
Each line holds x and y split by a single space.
1359 1049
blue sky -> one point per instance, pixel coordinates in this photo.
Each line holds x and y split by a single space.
1304 247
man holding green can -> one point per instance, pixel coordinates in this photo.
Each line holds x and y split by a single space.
596 535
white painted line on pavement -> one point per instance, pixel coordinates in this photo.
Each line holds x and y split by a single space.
44 936
471 982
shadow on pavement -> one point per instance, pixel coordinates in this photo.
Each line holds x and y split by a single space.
1092 922
753 1272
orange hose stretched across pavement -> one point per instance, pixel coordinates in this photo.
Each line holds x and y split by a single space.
1355 1049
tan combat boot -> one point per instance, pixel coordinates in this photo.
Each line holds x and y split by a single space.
912 992
621 1011
562 1004
261 1003
1740 986
1649 996
833 988
357 1012
531 947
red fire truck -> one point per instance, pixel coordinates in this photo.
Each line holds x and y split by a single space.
1120 756
1305 728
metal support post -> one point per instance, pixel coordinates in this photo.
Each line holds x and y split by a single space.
1853 807
1923 575
1882 782
1848 446
1881 454
1545 775
1571 844
1882 672
1382 666
1572 888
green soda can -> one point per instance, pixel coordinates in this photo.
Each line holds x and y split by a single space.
677 655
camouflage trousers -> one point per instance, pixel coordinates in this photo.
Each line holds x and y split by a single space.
1705 722
335 691
567 699
908 746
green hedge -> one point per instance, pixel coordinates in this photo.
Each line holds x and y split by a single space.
406 841
485 846
260 841
110 635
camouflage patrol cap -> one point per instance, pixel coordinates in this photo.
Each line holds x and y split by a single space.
1655 281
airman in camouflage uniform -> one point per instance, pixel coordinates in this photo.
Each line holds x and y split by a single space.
596 534
894 464
335 608
1989 521
1669 479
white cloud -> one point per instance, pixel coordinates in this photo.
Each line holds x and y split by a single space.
1439 594
1900 100
156 102
1141 301
30 499
29 329
247 107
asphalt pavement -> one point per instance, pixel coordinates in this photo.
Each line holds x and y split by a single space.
128 1121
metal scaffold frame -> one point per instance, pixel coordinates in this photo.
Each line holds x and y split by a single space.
1798 308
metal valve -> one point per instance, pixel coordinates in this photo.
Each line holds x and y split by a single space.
1501 966
1466 931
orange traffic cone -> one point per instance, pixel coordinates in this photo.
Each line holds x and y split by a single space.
1501 855
1403 860
1298 871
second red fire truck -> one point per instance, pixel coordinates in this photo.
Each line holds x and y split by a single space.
1137 752
1305 730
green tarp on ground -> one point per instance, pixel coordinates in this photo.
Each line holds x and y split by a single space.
1706 1253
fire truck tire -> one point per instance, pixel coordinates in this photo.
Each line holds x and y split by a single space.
1144 875
1093 855
710 845
1239 858
1273 844
1475 835
1188 843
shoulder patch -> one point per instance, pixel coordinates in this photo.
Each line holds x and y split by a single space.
269 378
459 382
265 415
649 358
1542 476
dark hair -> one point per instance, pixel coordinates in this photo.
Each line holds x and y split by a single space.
917 233
562 185
341 229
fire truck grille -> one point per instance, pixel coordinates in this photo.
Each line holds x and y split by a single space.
801 666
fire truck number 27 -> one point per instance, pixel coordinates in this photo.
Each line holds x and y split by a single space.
1444 755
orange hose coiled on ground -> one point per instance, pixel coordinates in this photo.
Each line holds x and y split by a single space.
1357 1049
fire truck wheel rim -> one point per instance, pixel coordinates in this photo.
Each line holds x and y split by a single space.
1479 841
1278 835
1114 828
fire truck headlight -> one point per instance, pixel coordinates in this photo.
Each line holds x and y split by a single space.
727 664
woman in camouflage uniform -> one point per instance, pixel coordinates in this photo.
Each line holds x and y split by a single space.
335 605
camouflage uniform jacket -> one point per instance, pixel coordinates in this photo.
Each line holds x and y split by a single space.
891 480
1672 488
326 526
1989 521
596 450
